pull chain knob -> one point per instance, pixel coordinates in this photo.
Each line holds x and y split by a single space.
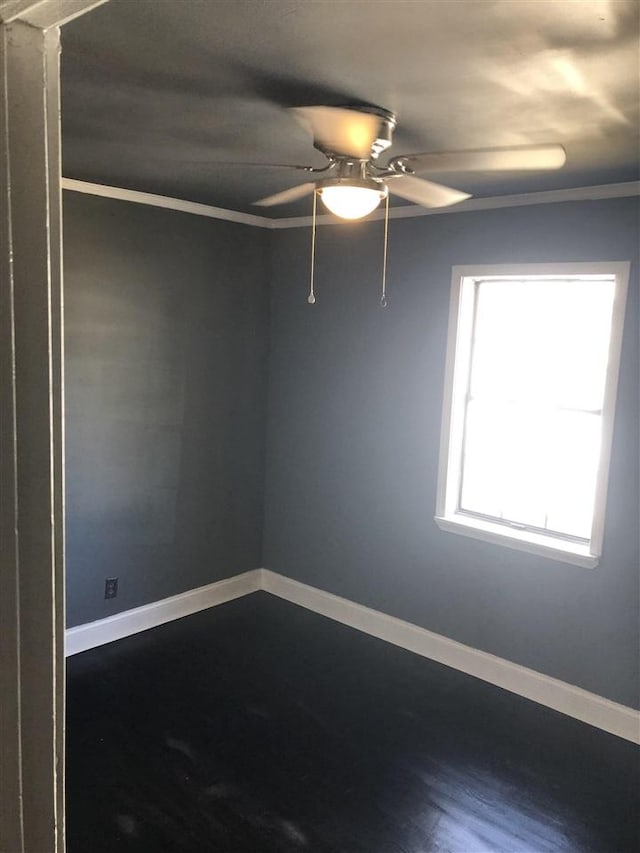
311 298
383 298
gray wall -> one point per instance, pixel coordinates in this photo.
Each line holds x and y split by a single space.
166 318
353 436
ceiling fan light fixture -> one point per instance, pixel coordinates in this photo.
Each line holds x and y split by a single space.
351 199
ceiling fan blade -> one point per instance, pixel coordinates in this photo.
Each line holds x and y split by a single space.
425 193
489 159
292 194
349 133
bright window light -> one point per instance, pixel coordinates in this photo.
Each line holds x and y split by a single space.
527 422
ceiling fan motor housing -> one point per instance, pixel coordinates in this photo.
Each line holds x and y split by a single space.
383 140
385 132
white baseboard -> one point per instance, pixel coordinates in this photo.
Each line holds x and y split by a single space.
566 698
91 634
551 692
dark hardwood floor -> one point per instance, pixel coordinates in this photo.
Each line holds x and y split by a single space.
259 727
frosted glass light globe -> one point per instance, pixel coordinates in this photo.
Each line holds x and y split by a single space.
351 202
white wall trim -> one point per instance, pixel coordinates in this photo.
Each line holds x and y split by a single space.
410 211
595 193
179 204
551 692
530 543
458 364
92 634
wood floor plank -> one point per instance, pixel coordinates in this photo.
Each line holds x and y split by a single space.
259 727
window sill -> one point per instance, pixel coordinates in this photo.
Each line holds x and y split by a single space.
532 543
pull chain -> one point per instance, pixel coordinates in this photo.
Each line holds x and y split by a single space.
312 298
383 298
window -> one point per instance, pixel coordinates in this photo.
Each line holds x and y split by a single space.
530 387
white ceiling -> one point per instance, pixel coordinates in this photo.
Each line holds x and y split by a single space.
153 89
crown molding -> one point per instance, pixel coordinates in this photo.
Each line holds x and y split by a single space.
152 200
409 211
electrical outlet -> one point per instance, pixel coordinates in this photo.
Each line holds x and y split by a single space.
110 587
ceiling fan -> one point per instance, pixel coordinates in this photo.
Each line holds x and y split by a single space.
353 183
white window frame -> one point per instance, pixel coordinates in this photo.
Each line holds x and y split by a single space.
447 516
